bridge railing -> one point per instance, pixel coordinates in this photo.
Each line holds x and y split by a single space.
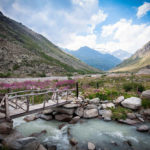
13 99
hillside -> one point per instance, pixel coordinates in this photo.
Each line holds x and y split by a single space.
24 52
95 59
141 59
121 54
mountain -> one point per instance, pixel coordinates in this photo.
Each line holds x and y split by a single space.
95 59
141 59
24 52
121 54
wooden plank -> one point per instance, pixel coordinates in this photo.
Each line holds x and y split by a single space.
7 107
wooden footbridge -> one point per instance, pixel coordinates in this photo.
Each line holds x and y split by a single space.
21 103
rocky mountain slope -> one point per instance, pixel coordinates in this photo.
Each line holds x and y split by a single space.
24 52
121 54
141 59
95 59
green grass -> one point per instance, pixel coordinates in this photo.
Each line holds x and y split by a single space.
119 113
146 103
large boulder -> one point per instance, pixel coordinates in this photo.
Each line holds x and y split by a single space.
90 113
63 117
132 103
106 114
143 128
6 127
69 111
74 120
131 115
79 111
146 94
119 99
94 101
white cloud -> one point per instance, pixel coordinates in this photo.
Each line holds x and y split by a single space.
125 35
143 9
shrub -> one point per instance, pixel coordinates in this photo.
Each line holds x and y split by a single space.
119 113
15 67
146 103
133 86
5 75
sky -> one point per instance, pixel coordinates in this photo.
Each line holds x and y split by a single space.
104 25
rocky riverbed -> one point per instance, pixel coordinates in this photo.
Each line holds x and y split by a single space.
82 124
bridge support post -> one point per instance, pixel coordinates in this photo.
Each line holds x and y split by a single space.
7 107
28 103
77 89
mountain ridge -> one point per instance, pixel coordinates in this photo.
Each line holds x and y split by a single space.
37 54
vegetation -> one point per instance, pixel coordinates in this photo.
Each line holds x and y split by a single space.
119 113
146 103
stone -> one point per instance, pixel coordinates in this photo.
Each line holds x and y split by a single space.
91 146
143 128
132 103
146 94
69 111
46 117
128 121
106 114
30 118
74 120
146 112
91 106
91 113
47 112
26 140
73 141
94 101
38 134
71 105
110 105
63 117
79 111
119 99
41 147
31 146
131 115
6 127
61 126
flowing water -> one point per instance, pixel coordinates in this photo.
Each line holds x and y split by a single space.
105 135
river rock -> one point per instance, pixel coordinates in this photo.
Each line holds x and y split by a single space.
91 106
71 105
128 121
34 145
38 134
46 117
108 105
132 103
69 111
73 141
41 147
131 115
94 101
63 117
74 120
91 146
143 128
119 99
106 114
26 140
30 118
146 112
146 94
6 127
91 113
61 126
79 111
48 112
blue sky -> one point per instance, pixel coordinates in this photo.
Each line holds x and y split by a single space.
105 25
